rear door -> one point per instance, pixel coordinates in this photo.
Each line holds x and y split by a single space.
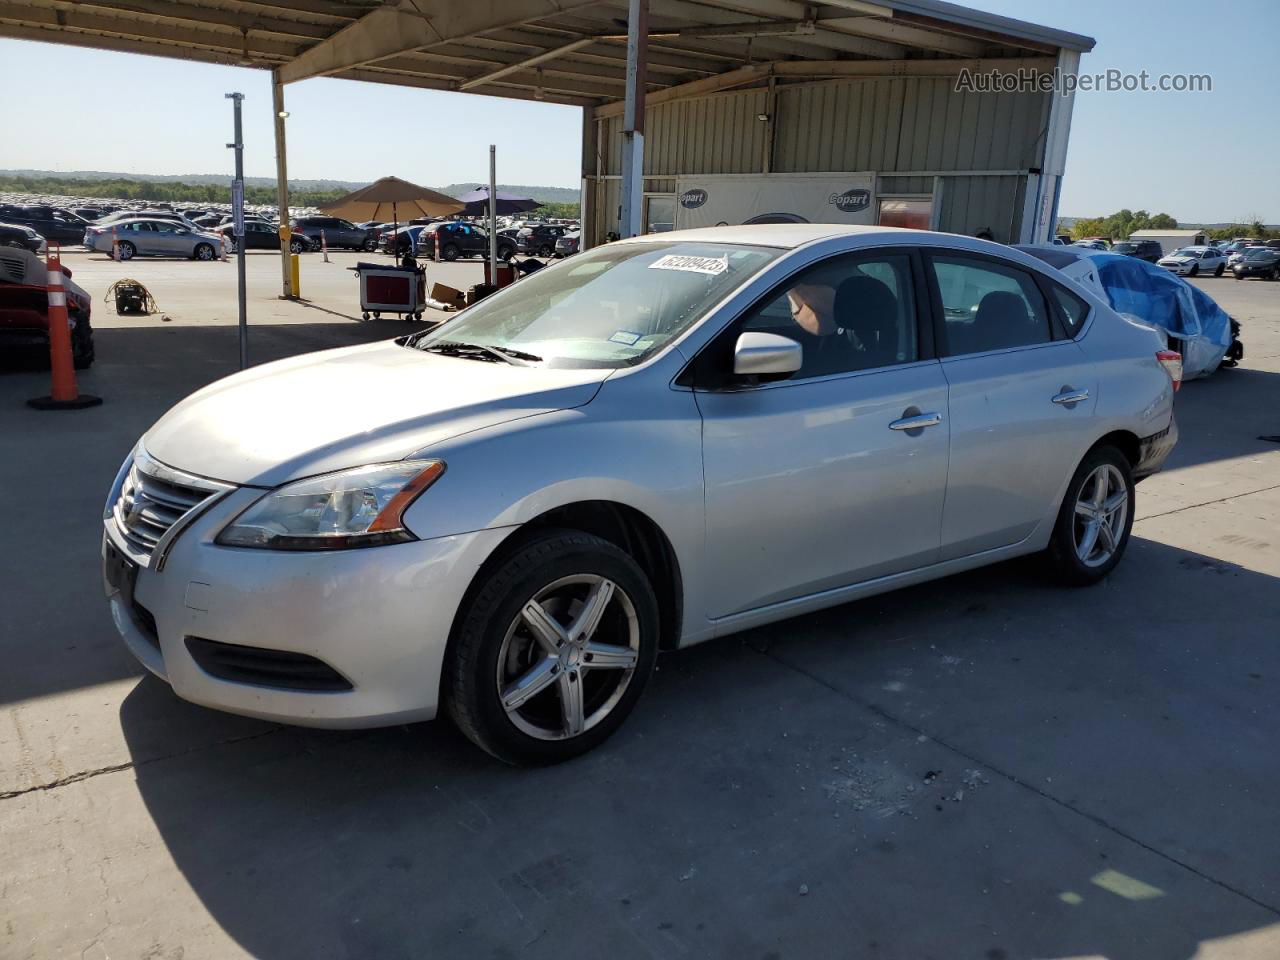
1020 400
142 234
820 480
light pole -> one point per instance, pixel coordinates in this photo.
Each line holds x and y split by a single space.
493 215
237 229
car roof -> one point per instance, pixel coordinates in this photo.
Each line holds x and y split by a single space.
792 235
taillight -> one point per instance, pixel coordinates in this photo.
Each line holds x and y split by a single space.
1171 360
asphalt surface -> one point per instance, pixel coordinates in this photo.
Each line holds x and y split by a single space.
987 766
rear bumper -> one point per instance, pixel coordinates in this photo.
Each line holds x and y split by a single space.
1155 449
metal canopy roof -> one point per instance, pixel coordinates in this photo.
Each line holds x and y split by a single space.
560 51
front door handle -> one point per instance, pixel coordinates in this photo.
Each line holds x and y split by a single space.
1069 396
917 422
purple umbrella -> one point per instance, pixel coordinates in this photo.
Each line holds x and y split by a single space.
477 202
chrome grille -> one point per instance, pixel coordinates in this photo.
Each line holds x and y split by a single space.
153 498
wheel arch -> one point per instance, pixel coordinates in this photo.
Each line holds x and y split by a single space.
629 529
1126 441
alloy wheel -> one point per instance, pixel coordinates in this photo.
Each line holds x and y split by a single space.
568 657
1102 507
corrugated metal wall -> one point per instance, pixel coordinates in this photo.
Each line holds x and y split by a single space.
973 204
874 125
855 125
708 135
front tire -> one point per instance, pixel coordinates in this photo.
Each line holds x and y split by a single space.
297 246
204 251
1195 268
553 649
1221 269
1094 522
82 344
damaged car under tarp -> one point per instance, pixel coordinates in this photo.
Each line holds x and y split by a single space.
1193 324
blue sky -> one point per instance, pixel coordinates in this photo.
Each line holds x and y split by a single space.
1197 156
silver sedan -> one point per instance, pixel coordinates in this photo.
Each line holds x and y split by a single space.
650 444
153 238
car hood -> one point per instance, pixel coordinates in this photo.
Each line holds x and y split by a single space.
1180 261
348 407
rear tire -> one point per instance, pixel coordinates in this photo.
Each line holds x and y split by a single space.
449 252
297 246
1094 522
494 651
126 250
1221 269
545 251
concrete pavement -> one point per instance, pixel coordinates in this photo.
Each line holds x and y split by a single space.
986 766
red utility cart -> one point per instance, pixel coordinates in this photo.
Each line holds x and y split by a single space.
391 289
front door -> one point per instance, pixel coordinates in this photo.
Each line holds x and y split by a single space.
1020 403
837 474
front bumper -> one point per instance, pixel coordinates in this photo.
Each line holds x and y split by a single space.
379 616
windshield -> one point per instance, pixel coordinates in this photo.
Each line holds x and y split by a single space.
1257 253
609 307
1185 252
1125 247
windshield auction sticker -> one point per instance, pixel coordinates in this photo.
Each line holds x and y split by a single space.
711 266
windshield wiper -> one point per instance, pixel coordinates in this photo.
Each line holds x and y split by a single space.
518 354
480 351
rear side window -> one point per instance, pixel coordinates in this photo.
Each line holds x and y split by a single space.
1071 309
988 306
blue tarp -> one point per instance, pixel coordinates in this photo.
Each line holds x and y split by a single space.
1156 296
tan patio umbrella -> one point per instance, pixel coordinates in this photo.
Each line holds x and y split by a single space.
391 195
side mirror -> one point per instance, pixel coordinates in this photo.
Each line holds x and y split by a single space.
766 355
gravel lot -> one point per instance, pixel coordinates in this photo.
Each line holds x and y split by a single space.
985 766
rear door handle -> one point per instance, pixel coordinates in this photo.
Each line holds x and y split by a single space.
1071 396
919 421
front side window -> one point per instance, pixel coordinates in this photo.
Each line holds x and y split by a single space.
610 307
988 306
847 313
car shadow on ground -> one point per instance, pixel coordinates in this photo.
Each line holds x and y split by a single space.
984 766
1222 416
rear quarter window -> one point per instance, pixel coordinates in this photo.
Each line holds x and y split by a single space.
1072 310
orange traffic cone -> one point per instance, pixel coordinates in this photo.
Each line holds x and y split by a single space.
64 395
115 245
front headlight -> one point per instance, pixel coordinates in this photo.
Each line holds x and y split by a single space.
353 508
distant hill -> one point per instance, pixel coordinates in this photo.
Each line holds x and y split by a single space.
1069 222
542 194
